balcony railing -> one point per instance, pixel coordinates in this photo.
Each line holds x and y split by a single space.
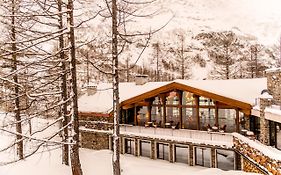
181 135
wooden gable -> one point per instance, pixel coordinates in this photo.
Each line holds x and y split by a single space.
242 106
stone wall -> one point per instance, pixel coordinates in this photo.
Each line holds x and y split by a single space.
274 84
92 116
94 140
248 166
264 124
259 161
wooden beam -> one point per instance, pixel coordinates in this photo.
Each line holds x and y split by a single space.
197 111
172 86
149 107
135 116
129 106
127 116
163 100
216 114
237 127
180 107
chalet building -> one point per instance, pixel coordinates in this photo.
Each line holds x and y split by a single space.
227 124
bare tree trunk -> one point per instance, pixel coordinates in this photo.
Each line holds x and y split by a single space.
127 70
74 152
227 65
182 58
116 110
16 88
65 147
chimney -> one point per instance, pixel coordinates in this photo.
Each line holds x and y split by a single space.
91 89
141 79
274 83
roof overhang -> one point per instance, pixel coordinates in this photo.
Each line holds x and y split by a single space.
242 106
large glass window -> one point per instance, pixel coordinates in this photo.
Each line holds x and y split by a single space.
142 116
187 98
206 101
203 156
172 99
182 153
145 148
156 115
172 114
225 159
207 117
227 117
189 118
130 146
162 151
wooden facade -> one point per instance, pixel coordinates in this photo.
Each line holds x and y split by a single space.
170 103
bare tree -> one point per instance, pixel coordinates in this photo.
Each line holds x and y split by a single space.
222 48
255 68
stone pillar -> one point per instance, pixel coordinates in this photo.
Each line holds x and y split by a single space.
171 152
213 158
274 84
247 122
191 152
153 150
237 161
137 147
110 142
264 124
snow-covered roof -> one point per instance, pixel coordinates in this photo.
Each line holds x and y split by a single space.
244 90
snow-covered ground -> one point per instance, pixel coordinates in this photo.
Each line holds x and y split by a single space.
99 162
48 161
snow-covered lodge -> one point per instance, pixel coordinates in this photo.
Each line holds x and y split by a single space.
228 124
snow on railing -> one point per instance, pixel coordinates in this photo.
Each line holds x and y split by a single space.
255 144
195 136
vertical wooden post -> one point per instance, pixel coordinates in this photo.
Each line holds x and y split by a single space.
123 116
126 116
237 127
149 107
197 111
216 114
135 116
163 99
180 107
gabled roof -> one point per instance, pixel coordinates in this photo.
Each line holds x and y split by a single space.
238 92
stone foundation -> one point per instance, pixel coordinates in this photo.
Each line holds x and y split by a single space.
259 161
274 84
94 140
248 166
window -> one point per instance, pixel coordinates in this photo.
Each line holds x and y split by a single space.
162 151
206 101
182 153
172 98
207 117
225 159
227 117
189 118
203 156
130 146
187 98
145 147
